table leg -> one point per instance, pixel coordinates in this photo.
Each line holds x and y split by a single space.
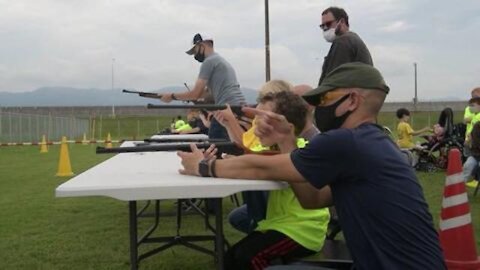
219 238
132 206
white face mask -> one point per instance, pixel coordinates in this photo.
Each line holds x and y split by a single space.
329 35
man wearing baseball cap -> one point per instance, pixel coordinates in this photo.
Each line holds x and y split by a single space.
215 73
354 166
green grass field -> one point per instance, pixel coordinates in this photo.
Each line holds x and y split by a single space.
39 231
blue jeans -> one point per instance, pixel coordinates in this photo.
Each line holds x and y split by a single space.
468 167
217 131
246 217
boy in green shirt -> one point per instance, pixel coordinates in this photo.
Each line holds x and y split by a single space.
288 230
470 116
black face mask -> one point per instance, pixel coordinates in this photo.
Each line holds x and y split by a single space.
325 116
200 56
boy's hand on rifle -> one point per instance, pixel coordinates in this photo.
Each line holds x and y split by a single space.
245 122
224 117
190 161
210 153
269 122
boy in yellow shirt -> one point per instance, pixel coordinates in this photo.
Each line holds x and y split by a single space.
405 132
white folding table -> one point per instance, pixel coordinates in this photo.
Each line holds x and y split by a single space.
134 177
180 137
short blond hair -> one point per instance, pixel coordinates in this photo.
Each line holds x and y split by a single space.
274 86
476 92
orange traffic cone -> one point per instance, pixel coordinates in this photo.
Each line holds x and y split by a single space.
456 231
43 145
64 167
108 142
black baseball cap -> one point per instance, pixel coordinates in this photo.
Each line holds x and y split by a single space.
197 38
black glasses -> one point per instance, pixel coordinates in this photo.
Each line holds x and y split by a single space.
326 26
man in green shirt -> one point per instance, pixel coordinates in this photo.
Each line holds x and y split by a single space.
346 47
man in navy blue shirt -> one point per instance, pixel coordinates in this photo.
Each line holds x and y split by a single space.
354 166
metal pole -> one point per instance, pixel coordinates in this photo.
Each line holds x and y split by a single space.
20 128
100 127
10 126
118 128
37 134
113 84
30 127
415 99
267 44
132 220
113 61
138 128
0 124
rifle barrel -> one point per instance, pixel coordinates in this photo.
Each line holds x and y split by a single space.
170 140
228 147
143 94
210 107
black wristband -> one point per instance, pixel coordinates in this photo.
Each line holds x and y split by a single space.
204 168
212 169
173 97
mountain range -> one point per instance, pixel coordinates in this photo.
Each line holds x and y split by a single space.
69 96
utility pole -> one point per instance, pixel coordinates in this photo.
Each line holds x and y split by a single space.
415 99
113 85
267 44
113 62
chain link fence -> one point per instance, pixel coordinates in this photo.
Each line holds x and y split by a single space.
19 127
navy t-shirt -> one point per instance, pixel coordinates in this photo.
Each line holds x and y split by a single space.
380 204
197 122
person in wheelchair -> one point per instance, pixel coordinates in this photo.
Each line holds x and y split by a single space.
433 154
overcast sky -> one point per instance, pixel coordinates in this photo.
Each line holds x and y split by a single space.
73 42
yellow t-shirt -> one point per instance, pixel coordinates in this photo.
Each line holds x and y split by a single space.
251 141
405 137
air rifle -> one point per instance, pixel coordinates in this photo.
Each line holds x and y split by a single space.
143 94
236 109
230 148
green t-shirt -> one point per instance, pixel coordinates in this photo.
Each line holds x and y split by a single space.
184 127
179 123
475 117
286 215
